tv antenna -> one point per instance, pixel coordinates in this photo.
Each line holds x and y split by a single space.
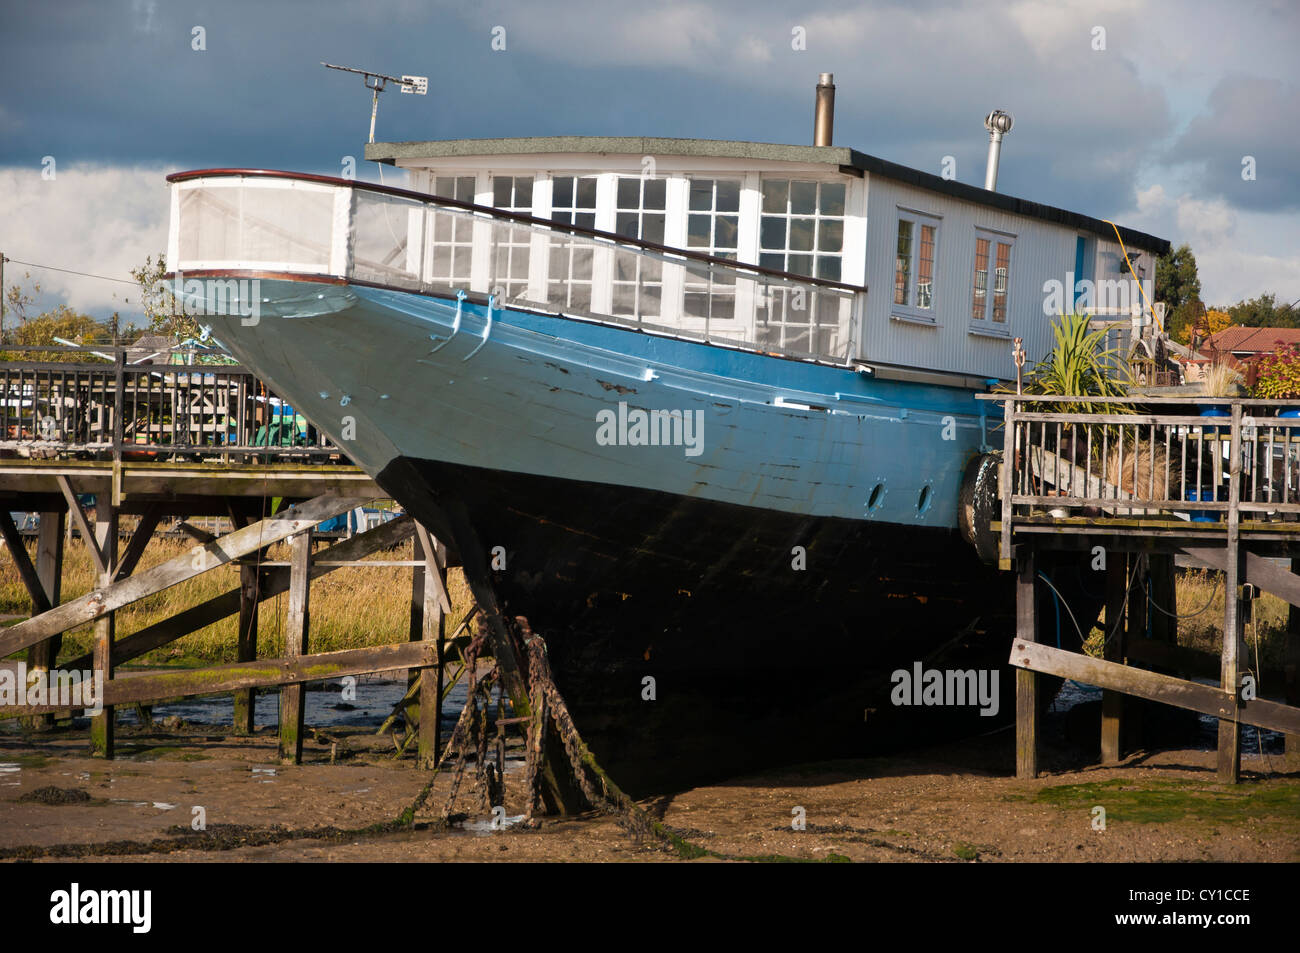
418 85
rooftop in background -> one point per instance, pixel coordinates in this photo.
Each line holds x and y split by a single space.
842 158
1245 342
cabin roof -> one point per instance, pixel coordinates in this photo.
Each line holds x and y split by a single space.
845 159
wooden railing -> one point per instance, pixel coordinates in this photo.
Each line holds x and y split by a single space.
100 408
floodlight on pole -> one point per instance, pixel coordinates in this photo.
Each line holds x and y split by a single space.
376 82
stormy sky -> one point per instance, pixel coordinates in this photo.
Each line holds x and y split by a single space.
1141 111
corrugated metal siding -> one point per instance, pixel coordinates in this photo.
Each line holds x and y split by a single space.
1041 252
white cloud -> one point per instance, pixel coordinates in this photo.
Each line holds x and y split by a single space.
102 220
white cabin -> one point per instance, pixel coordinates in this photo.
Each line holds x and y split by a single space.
954 272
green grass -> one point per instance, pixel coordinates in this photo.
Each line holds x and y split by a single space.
1161 802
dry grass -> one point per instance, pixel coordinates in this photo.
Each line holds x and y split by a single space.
1266 633
1139 472
350 608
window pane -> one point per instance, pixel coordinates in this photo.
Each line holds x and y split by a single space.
728 196
562 192
726 232
980 292
652 228
803 198
903 263
656 191
801 265
697 231
832 198
629 193
626 224
586 193
925 267
772 233
801 234
501 189
524 193
465 188
585 220
1000 282
775 194
830 236
828 267
701 195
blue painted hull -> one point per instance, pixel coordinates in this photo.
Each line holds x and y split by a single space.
770 576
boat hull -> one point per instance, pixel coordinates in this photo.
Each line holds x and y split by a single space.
706 612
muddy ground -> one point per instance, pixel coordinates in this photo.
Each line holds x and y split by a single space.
955 803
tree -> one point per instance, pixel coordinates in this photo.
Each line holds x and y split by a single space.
61 322
165 312
1263 312
1176 280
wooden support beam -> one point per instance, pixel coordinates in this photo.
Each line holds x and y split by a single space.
250 581
275 582
1206 699
1112 703
1139 629
1259 570
17 547
140 540
173 572
1229 755
428 597
1026 681
1291 676
156 687
49 573
79 520
1164 598
296 627
101 725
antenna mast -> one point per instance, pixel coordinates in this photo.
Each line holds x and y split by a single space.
376 82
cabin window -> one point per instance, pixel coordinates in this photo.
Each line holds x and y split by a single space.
453 235
512 193
992 278
802 227
914 258
569 275
639 212
712 228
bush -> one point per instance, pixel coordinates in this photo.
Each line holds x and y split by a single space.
1279 374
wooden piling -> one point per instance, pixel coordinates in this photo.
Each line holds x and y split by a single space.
1112 703
428 618
1291 674
49 576
105 541
1026 681
246 647
295 644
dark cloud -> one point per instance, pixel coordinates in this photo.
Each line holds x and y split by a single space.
1247 116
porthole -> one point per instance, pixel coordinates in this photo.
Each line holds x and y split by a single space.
877 494
923 501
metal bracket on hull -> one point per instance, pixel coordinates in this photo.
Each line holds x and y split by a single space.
455 325
487 328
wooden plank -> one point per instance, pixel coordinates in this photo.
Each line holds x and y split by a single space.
101 725
1112 703
1206 699
17 547
83 526
140 539
296 627
1026 681
275 582
266 673
1260 571
433 596
1291 676
199 560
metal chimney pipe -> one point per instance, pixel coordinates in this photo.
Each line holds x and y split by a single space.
824 119
998 123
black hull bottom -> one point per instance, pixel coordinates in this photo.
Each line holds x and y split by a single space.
755 662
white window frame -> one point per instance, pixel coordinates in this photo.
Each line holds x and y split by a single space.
911 312
986 326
